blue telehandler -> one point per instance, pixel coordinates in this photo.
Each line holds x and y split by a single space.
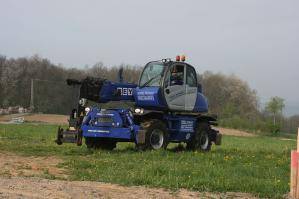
169 106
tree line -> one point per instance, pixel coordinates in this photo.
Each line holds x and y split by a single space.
235 103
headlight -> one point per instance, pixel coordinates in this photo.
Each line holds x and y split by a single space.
139 110
87 109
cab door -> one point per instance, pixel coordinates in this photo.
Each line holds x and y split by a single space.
175 87
191 88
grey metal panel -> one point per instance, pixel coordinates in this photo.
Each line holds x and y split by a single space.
191 88
176 97
190 97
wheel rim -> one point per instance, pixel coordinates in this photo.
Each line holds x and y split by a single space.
156 139
204 141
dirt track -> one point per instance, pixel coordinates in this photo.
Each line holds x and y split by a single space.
39 118
18 187
235 132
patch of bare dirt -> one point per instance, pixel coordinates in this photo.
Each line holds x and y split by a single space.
14 165
234 132
18 187
47 118
288 139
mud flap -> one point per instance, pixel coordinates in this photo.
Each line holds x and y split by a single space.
218 139
140 138
69 136
215 136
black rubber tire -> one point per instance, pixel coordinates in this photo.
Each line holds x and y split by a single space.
98 143
59 136
79 137
152 128
201 139
105 144
89 142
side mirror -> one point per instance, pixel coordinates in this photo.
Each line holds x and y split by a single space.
199 86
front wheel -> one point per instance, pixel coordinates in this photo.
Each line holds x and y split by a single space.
201 139
156 135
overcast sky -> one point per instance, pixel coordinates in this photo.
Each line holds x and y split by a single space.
255 39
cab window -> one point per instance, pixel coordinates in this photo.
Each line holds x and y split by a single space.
152 74
191 77
177 75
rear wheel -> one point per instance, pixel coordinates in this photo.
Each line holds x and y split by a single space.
156 135
200 140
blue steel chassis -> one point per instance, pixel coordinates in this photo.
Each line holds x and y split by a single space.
119 124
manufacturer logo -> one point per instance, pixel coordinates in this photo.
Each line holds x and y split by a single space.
125 91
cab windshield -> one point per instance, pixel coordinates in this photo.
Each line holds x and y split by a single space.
151 75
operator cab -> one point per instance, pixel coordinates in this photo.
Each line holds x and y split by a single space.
171 85
180 87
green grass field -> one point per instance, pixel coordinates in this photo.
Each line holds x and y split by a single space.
257 165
